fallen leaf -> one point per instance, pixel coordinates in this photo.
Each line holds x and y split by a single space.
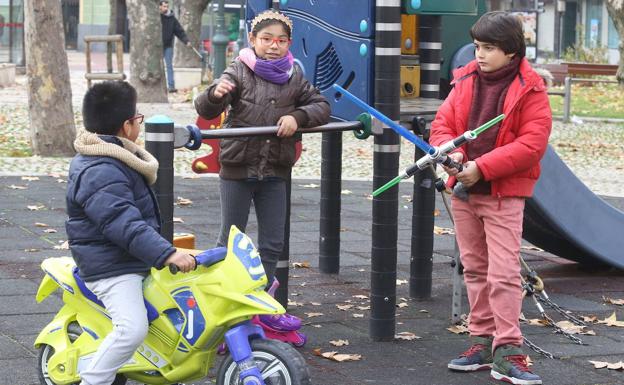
613 301
178 220
315 304
571 328
363 307
616 365
537 322
30 178
317 326
50 231
407 336
301 265
344 307
339 342
400 282
335 356
31 250
443 231
293 303
590 318
184 202
35 208
402 305
458 329
312 315
358 315
436 213
14 187
346 192
63 246
612 321
360 296
311 185
423 311
39 224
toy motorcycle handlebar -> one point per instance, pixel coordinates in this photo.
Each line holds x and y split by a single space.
206 258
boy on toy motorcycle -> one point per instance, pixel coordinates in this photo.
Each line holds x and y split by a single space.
113 225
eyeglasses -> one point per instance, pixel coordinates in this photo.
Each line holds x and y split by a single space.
138 117
268 41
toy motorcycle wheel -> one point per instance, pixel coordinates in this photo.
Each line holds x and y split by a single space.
279 363
46 352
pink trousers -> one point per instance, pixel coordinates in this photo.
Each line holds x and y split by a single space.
489 233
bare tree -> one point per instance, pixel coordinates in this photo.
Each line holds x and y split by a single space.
616 12
50 111
190 16
147 72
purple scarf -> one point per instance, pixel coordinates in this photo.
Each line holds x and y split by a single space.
276 71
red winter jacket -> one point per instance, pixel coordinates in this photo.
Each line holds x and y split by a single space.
512 167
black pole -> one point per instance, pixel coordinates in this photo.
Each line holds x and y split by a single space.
281 271
429 50
421 258
385 167
159 142
329 226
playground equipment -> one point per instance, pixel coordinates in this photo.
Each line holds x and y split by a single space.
110 40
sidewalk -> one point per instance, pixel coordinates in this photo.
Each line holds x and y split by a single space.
23 245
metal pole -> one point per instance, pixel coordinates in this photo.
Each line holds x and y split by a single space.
159 142
423 205
329 226
385 167
421 261
281 271
567 98
240 43
458 271
220 41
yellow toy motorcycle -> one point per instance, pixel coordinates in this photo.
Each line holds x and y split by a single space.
190 315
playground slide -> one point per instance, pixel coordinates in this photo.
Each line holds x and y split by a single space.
566 219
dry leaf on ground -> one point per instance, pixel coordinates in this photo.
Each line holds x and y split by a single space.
613 301
50 231
571 328
301 265
400 282
184 201
458 329
30 178
358 315
339 342
311 185
407 336
14 187
63 246
178 220
443 231
346 192
359 296
402 305
612 321
39 224
311 315
608 365
344 307
294 303
335 356
35 208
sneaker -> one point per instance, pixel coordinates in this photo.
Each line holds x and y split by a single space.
477 357
510 365
172 90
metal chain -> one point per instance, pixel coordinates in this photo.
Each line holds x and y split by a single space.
539 350
543 298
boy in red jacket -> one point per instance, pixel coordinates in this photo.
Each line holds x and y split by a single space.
501 168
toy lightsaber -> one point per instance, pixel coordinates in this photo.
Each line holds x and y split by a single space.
440 154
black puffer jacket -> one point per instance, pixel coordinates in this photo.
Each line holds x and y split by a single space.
256 102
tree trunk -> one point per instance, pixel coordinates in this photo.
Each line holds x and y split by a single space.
190 16
52 126
616 12
147 73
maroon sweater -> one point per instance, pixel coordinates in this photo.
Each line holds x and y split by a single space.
488 97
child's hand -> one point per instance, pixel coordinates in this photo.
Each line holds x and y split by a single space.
458 157
185 262
287 126
222 88
470 175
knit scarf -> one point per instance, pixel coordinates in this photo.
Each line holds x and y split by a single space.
132 155
276 71
488 98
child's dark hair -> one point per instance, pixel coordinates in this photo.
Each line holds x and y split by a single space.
502 29
257 27
107 105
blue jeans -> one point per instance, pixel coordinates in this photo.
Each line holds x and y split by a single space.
168 55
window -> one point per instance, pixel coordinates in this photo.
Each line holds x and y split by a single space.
613 39
593 23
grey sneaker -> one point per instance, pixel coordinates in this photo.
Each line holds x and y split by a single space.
510 365
477 357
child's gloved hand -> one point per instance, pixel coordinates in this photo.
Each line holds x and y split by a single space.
458 157
185 262
470 175
287 126
222 88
